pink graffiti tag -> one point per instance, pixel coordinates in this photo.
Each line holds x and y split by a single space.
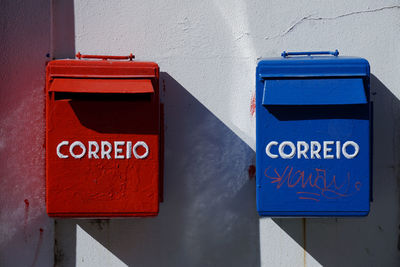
313 185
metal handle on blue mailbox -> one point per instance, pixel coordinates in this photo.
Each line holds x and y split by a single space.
333 53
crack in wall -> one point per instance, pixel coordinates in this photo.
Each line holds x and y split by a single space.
312 18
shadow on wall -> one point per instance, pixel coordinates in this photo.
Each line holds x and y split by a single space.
366 241
208 217
63 29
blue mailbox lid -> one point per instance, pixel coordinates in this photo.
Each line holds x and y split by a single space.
301 80
312 66
314 92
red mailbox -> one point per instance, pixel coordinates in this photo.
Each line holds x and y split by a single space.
103 136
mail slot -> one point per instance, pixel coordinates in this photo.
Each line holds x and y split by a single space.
313 135
103 137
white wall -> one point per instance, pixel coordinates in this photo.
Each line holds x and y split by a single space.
207 51
26 233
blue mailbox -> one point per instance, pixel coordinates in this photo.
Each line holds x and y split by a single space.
313 135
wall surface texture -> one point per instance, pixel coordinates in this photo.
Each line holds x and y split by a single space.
26 232
207 52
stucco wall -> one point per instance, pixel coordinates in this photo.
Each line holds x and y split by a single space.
26 233
207 52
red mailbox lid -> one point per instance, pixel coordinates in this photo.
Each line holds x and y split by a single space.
94 85
73 68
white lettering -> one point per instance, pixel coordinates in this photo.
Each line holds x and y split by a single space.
73 145
356 149
128 149
92 153
328 149
315 149
338 149
59 154
142 144
104 152
302 152
282 150
268 149
118 150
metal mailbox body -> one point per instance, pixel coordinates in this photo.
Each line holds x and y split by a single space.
313 136
102 138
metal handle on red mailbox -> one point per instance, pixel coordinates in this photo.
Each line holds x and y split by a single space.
104 57
333 53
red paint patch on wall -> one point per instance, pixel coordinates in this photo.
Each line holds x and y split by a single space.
252 171
26 207
253 105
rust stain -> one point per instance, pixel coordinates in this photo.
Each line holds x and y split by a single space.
252 172
253 105
101 224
